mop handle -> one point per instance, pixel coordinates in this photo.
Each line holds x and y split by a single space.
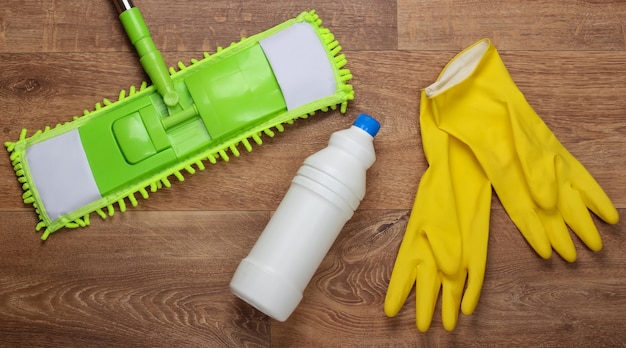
123 5
149 56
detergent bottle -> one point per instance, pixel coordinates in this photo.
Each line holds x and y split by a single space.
323 196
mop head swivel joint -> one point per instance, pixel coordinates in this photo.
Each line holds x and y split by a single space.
132 146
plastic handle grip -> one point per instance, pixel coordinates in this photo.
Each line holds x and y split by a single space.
149 56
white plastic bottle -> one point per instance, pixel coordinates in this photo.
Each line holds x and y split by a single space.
321 199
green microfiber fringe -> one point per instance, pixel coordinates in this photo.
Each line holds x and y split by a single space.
108 209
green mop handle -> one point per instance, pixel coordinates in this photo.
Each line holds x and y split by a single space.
149 56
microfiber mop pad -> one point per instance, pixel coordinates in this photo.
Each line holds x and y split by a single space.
224 101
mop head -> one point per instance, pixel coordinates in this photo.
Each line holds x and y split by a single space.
228 100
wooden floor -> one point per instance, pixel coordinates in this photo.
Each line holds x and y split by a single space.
158 275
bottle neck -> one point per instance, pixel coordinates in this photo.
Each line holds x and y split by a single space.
356 142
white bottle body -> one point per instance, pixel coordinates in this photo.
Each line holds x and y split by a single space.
321 199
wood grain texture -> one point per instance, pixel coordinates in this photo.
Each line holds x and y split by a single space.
90 26
513 25
157 275
148 279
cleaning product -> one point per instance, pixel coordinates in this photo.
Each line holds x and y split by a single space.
324 194
201 112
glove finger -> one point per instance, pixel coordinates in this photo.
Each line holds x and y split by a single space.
478 240
601 205
514 194
591 192
475 279
533 230
577 217
427 292
410 255
403 275
558 234
530 134
452 291
400 285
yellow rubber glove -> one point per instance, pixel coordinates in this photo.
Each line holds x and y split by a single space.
451 210
540 184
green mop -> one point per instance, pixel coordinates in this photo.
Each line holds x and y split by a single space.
200 112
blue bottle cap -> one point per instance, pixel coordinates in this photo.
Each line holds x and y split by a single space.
367 123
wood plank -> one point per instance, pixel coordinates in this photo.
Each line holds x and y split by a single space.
150 279
92 26
513 25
